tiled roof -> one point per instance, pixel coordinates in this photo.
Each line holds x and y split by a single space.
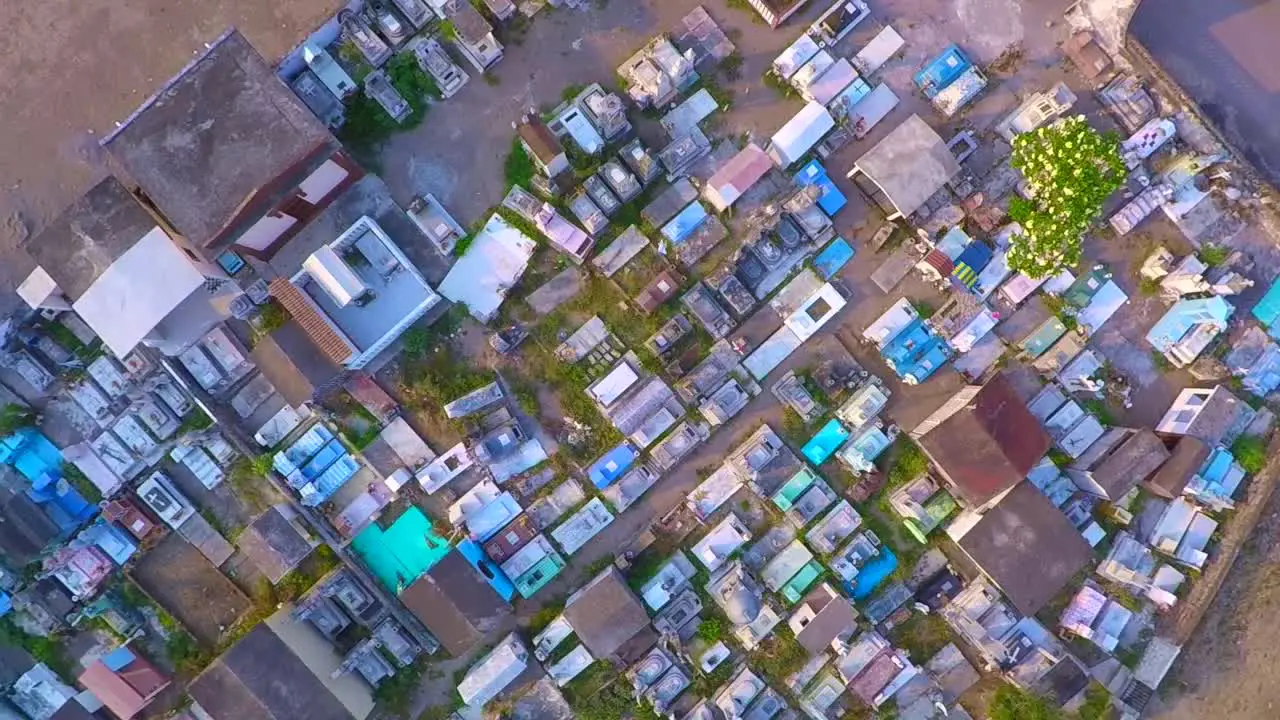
319 328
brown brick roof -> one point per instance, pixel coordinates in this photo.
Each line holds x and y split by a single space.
988 446
319 328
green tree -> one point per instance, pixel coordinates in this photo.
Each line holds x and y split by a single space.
14 417
1071 170
1012 703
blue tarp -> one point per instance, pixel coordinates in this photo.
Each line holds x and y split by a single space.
970 264
1268 308
916 352
942 71
833 257
683 225
874 572
6 604
612 465
498 580
825 443
832 200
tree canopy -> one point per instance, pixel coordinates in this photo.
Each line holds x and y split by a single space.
1012 703
1071 170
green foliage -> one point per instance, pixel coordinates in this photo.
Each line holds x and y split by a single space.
248 479
545 616
1149 286
794 429
296 584
47 650
1213 255
195 421
396 693
598 565
1100 410
271 317
600 693
922 636
14 417
77 480
449 31
731 67
923 309
775 82
908 462
1251 453
1013 703
779 657
188 658
1097 703
571 92
711 629
706 684
350 57
367 126
1072 169
1058 457
518 168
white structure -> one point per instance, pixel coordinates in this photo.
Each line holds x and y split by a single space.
583 525
879 51
490 267
800 134
816 311
714 549
329 71
164 500
885 328
356 295
795 57
494 672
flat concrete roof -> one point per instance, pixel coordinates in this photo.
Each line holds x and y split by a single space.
910 164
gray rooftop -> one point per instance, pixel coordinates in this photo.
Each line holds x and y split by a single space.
215 136
605 613
289 359
910 164
260 678
81 243
274 544
1027 547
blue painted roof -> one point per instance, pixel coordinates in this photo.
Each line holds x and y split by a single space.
833 257
916 352
683 224
825 442
498 580
1268 308
942 71
6 603
970 263
1185 315
832 200
873 573
612 465
118 659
